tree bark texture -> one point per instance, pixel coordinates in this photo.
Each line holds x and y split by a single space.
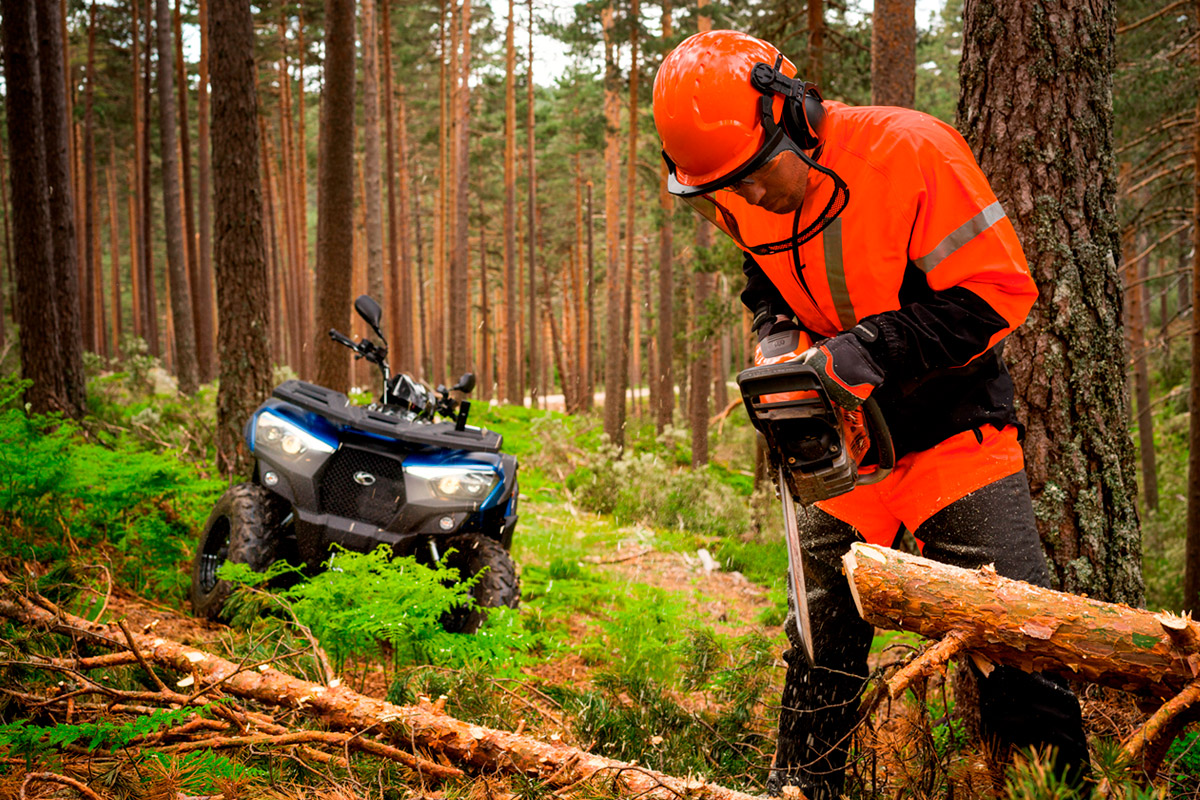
64 272
372 166
93 329
1191 574
181 293
894 53
35 299
816 40
1036 107
335 216
460 279
701 361
472 747
512 332
1135 307
614 378
1010 622
206 320
531 239
146 223
239 249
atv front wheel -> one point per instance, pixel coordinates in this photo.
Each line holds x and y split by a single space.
244 528
497 586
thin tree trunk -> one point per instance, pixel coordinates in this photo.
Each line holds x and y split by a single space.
114 247
372 166
335 216
146 262
894 53
135 238
8 250
201 318
630 338
181 297
1191 560
440 214
1135 332
483 359
413 332
298 186
64 272
459 260
531 198
93 329
614 380
206 313
589 391
425 356
399 297
816 40
664 379
701 368
512 333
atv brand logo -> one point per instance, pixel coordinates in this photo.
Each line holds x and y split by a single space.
364 478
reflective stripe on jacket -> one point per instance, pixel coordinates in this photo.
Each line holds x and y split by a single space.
923 250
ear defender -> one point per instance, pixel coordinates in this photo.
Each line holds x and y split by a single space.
802 104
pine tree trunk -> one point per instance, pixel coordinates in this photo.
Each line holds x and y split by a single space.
1067 359
335 215
201 318
512 333
114 232
181 295
614 378
146 222
35 299
239 251
204 297
400 298
701 367
531 198
894 53
135 238
816 40
67 355
1135 306
630 342
413 331
589 390
484 363
372 166
460 259
1191 573
8 250
93 330
665 394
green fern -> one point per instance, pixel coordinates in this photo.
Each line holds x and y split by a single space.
29 740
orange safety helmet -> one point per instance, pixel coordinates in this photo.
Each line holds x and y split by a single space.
705 107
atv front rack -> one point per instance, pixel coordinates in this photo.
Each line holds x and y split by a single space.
336 407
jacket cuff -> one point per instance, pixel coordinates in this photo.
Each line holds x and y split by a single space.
881 339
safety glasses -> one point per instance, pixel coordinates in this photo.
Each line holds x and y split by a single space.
776 142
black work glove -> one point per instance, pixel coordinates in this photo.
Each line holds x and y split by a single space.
846 368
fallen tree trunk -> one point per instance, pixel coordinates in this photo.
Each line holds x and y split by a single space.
471 747
996 619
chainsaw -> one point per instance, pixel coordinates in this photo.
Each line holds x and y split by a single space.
817 450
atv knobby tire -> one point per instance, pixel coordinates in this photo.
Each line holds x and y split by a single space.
244 528
497 586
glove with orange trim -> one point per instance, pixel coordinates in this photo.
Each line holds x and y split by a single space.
780 341
846 368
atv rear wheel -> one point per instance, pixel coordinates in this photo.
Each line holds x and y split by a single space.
497 586
244 528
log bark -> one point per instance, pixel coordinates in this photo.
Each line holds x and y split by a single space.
1015 623
470 747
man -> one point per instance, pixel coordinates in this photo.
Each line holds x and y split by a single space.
873 233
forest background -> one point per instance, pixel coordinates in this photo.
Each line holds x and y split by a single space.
514 223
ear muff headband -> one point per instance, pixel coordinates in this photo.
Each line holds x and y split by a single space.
802 109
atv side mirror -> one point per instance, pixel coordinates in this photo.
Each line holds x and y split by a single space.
370 311
465 384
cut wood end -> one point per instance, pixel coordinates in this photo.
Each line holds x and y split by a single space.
849 564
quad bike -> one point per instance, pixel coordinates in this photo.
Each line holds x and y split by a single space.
328 472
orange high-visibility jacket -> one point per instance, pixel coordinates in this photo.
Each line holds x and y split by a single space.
923 250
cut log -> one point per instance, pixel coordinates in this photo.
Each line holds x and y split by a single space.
1025 626
472 748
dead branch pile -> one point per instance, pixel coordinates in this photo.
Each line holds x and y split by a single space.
423 738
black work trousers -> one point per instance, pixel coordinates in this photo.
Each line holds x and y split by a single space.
993 525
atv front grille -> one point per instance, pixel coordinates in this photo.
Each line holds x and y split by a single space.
362 485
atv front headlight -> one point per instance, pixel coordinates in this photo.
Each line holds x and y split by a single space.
280 436
457 483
